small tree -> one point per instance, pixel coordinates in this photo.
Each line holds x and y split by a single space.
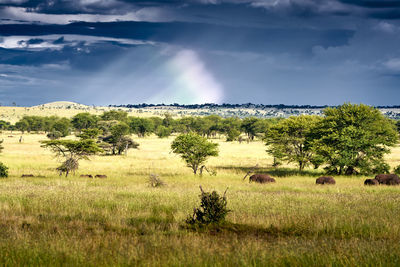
63 126
118 115
141 126
71 151
194 149
119 141
53 135
163 132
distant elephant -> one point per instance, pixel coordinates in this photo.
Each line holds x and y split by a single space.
86 176
325 180
261 178
371 182
388 179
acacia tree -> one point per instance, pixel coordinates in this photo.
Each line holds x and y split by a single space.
71 151
354 139
194 149
118 140
289 140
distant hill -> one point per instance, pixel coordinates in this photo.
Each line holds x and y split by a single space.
62 105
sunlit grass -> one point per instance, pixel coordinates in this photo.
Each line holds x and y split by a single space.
52 220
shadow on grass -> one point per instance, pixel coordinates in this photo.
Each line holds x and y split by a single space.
277 172
228 228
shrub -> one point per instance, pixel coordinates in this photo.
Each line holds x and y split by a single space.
70 165
53 135
3 170
212 209
163 132
155 181
232 135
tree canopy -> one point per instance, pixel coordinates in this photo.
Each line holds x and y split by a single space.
194 149
289 140
354 138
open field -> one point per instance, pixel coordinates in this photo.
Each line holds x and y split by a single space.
51 220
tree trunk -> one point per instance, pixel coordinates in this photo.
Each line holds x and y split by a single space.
301 165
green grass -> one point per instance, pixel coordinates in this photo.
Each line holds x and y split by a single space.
121 220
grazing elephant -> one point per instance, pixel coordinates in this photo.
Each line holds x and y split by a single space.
261 178
325 180
86 176
371 182
388 179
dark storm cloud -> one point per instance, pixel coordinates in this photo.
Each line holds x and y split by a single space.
263 51
199 36
373 3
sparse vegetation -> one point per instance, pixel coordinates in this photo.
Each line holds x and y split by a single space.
155 180
50 220
213 209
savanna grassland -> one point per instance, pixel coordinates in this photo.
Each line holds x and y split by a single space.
50 220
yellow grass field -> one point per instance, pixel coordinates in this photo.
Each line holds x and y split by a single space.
50 220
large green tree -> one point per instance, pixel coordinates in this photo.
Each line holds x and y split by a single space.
194 149
354 139
289 140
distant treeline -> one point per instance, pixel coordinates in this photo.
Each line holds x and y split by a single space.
350 139
208 126
225 105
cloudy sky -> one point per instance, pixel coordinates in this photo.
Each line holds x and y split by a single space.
200 51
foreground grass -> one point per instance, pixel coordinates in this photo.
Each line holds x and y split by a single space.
51 220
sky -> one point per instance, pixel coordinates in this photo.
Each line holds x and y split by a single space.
101 52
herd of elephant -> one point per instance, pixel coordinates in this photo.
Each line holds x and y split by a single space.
386 179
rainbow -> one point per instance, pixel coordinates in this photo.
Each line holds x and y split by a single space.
190 81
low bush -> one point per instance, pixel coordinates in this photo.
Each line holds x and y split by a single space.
155 181
3 170
212 209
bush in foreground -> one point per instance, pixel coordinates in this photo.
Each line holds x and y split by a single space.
212 209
